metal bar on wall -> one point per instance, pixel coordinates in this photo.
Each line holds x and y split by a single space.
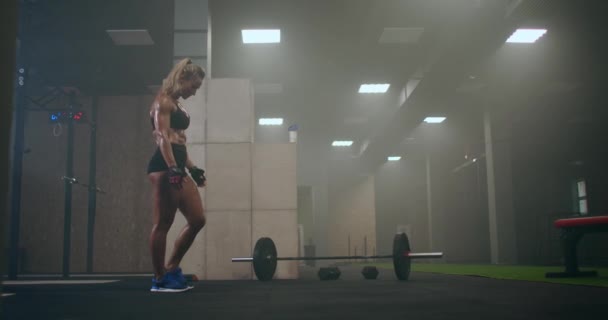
69 173
92 185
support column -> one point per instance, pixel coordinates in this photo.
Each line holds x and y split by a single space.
9 78
503 246
190 31
19 140
429 200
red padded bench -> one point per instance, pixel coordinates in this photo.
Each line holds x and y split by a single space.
572 230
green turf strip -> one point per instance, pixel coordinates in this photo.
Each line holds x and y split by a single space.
525 273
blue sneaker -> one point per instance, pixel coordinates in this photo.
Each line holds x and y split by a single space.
178 275
169 283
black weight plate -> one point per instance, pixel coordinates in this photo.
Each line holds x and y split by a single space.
264 259
329 273
370 272
401 262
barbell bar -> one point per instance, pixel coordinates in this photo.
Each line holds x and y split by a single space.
411 255
265 257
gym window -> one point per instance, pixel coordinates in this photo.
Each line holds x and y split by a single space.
581 205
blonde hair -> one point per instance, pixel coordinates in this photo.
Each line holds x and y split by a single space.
183 70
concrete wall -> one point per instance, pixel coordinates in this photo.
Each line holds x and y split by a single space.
123 217
124 145
352 214
251 188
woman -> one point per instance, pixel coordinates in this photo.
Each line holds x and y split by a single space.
171 186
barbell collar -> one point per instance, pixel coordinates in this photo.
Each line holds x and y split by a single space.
242 259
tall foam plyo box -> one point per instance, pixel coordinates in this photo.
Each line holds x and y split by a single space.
229 138
275 202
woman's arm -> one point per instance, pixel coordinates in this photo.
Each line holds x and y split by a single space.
189 163
162 122
198 174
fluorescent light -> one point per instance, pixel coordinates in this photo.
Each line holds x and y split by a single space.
394 158
526 35
342 143
130 37
261 36
434 119
271 121
374 88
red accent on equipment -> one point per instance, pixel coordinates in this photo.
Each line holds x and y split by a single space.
579 222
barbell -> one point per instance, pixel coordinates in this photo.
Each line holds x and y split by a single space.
265 257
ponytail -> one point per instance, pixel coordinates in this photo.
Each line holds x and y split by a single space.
182 70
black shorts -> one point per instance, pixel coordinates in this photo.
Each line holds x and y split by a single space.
157 163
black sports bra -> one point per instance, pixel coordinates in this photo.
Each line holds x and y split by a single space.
180 120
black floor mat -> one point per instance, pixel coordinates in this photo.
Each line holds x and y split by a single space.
424 296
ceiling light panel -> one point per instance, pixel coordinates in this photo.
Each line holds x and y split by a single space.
434 119
261 36
374 88
270 121
526 35
342 143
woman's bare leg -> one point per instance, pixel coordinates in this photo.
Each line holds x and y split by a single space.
165 203
191 206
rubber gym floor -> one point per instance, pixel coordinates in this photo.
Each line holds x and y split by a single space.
424 296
